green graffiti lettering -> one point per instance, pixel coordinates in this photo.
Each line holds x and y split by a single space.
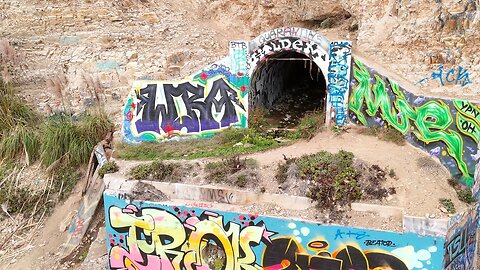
360 92
432 119
468 127
468 109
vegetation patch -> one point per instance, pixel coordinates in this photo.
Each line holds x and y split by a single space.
464 193
388 134
157 171
309 126
228 143
448 204
109 167
214 256
334 179
232 171
64 180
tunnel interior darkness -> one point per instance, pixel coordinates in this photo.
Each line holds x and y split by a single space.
288 84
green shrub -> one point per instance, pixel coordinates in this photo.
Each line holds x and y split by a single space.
309 126
466 196
20 141
109 167
219 171
389 134
58 133
333 179
65 136
15 111
257 120
448 204
156 171
64 180
393 135
232 135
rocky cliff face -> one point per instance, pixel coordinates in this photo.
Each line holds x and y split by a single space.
102 46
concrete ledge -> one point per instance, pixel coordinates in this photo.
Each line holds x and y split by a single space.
209 193
425 226
192 194
381 210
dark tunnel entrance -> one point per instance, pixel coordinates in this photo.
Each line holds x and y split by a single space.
288 85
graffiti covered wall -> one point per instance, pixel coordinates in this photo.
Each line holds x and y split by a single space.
461 241
199 106
339 79
163 236
476 185
448 129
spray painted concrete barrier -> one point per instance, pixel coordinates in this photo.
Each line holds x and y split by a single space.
161 235
461 246
218 96
476 186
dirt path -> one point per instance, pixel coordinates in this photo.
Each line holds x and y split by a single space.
43 252
418 188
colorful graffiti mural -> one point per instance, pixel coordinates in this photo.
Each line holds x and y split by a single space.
461 241
212 100
445 128
217 97
339 79
163 236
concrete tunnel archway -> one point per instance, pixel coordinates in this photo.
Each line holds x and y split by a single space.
288 84
289 73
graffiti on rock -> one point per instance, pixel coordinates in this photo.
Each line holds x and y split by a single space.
452 76
162 236
211 101
444 128
339 79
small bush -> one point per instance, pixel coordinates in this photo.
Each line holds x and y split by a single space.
309 126
15 111
466 196
392 173
448 204
393 135
232 135
109 167
156 171
257 120
216 171
328 23
334 179
241 181
282 169
21 141
65 136
222 171
64 180
385 134
20 200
